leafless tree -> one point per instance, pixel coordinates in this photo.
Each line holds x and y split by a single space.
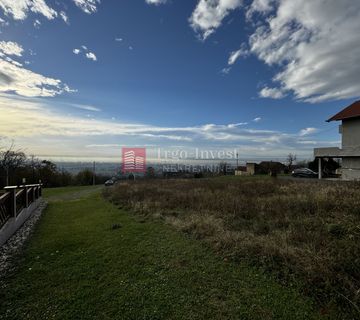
10 160
291 158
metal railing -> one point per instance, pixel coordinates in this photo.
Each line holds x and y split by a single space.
17 198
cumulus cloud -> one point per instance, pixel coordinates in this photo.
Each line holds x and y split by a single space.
88 6
19 9
10 48
273 93
258 119
14 78
259 6
91 56
87 54
17 79
315 43
208 15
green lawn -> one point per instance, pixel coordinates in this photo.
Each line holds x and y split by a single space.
77 267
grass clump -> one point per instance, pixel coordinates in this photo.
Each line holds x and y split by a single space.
297 230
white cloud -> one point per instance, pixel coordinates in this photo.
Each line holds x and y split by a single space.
37 23
35 125
273 93
258 119
3 23
226 70
208 15
19 9
234 125
308 131
64 16
315 44
118 39
91 56
88 6
11 48
88 54
156 2
86 107
235 55
259 6
14 78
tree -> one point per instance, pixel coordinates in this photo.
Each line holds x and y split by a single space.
84 177
290 160
10 161
48 174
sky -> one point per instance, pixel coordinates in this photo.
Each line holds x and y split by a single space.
79 79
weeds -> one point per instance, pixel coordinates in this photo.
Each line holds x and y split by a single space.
308 231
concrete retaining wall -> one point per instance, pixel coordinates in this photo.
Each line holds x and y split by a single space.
13 224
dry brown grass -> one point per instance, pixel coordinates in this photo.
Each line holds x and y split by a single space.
307 232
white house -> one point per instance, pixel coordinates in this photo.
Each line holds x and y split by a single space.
350 150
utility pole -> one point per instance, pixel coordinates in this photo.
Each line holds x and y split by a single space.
94 173
237 160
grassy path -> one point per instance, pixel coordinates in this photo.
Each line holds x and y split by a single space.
77 267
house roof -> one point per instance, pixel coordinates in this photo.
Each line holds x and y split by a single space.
352 111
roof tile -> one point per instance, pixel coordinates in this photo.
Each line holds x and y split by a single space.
352 111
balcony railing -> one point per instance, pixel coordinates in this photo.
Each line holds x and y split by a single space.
17 198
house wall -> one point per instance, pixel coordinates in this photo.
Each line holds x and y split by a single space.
350 169
351 133
250 168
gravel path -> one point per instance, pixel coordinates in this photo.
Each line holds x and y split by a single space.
9 250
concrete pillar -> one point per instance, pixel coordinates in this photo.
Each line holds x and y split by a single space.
320 169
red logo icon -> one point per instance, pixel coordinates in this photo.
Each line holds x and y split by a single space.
133 160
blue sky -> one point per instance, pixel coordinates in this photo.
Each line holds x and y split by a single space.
81 78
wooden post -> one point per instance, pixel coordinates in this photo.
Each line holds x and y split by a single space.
320 169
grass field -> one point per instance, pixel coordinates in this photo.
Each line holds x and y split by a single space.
77 266
307 232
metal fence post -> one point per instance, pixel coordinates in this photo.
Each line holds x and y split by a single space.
26 197
13 202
